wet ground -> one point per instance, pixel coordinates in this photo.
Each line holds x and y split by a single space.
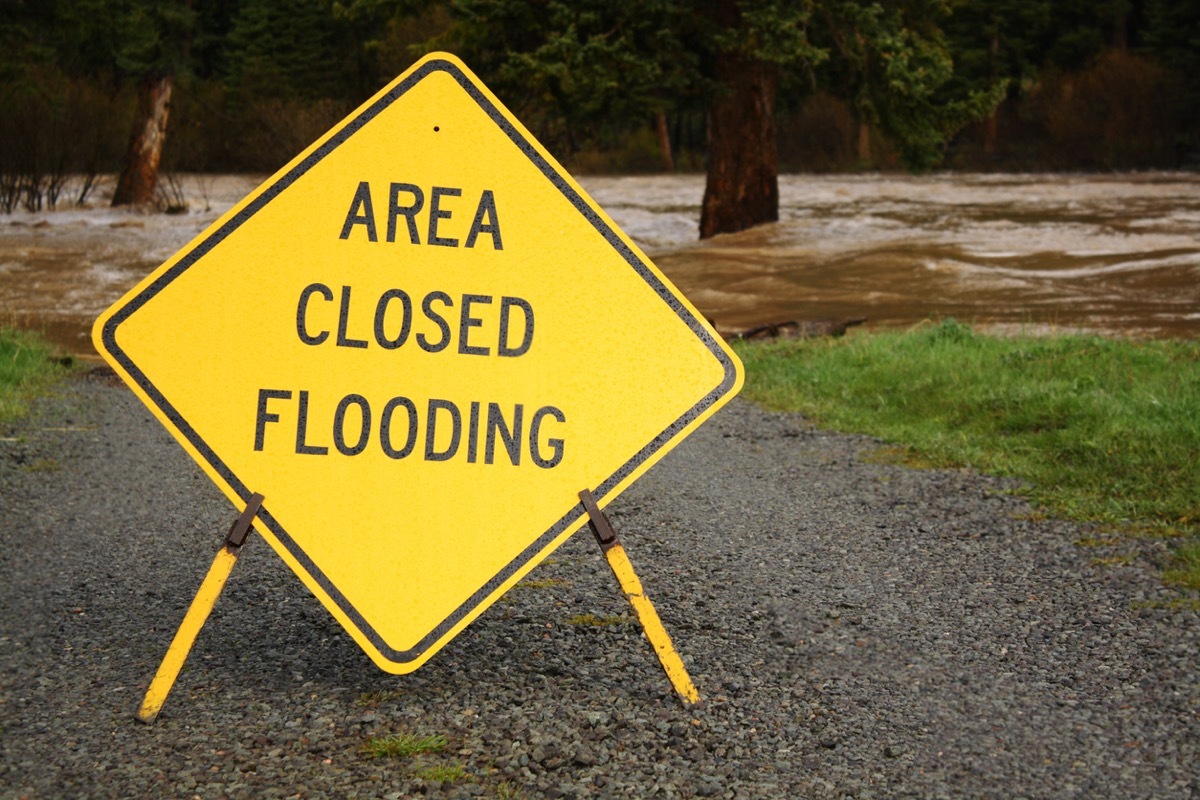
1111 253
855 629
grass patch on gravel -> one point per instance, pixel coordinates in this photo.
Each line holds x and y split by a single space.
1184 569
444 773
404 745
1100 430
377 698
506 791
543 583
27 370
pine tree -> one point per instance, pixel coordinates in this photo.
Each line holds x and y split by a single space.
287 48
1173 38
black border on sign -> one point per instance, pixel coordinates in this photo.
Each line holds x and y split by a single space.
273 191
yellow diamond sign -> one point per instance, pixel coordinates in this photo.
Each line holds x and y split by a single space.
420 340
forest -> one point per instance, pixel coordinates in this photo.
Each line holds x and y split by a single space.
608 85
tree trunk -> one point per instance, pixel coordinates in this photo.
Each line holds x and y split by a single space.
989 125
1120 35
989 133
742 185
664 141
140 174
742 188
864 144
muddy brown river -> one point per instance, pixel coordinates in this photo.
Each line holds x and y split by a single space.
1116 254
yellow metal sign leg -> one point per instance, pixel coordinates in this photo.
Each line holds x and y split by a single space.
651 624
621 566
197 613
185 637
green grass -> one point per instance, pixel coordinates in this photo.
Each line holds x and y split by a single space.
1184 569
506 791
444 773
27 370
1101 430
43 465
542 583
404 745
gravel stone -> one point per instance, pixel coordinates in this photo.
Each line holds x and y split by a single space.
856 630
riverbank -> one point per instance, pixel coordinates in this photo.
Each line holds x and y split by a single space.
856 628
1098 430
28 367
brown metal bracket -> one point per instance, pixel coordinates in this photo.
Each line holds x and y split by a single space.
242 525
603 530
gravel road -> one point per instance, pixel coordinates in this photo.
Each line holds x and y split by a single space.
856 629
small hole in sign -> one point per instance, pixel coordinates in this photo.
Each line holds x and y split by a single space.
436 129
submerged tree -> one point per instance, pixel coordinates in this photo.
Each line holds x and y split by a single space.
139 176
751 43
595 60
888 58
153 44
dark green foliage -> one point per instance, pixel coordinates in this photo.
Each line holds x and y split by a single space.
593 64
209 51
770 30
253 77
998 41
24 27
893 63
1173 33
117 39
286 48
1173 37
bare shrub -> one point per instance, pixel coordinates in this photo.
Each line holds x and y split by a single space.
1121 112
85 184
169 194
633 152
23 111
52 129
9 193
203 135
204 184
275 130
818 136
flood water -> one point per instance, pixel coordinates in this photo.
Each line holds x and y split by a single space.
1116 254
